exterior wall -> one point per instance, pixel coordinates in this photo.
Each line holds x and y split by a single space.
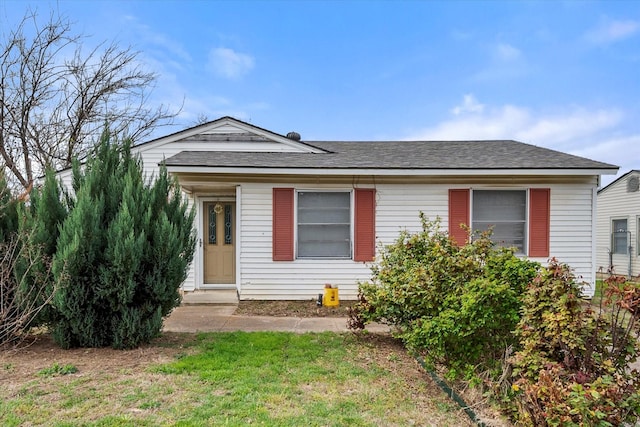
190 282
397 208
263 278
614 202
65 178
572 230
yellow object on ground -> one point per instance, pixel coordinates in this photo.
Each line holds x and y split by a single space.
330 298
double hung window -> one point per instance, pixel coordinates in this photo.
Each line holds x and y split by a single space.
324 224
505 211
619 236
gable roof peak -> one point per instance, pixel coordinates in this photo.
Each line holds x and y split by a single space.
229 125
619 179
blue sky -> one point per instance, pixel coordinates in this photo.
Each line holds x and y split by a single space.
558 74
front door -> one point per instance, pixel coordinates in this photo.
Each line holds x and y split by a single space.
219 245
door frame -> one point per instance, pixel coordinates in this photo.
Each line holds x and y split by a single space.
201 200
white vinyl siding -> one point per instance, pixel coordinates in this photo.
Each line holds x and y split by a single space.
263 278
572 230
615 202
397 208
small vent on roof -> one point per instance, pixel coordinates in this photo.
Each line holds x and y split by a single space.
633 183
294 136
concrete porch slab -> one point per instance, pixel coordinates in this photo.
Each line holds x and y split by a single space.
211 296
220 318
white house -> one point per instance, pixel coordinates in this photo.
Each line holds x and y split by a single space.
279 217
618 225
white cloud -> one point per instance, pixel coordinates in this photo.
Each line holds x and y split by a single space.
592 133
501 123
469 105
461 35
618 150
567 128
228 63
506 52
612 31
163 46
504 62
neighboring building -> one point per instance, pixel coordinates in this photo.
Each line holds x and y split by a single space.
278 217
618 226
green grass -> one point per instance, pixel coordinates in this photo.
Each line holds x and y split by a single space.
57 369
239 379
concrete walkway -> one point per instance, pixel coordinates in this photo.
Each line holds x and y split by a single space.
220 318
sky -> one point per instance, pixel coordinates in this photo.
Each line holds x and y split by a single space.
558 74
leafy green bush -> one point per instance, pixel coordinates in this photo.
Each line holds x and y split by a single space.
573 365
456 305
462 307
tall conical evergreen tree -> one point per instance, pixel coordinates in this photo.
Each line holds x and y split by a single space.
122 253
40 222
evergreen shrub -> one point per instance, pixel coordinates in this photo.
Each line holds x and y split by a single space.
40 224
122 252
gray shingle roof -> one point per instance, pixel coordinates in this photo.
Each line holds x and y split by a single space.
500 154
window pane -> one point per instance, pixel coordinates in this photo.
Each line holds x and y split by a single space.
228 224
213 229
505 211
323 200
323 215
509 235
490 205
324 225
324 241
619 236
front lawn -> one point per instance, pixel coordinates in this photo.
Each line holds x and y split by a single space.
234 379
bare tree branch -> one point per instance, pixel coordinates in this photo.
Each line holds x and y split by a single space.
55 98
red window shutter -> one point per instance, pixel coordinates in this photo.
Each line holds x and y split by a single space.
282 224
458 214
539 213
365 225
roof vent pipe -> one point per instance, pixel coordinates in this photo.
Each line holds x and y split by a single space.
294 136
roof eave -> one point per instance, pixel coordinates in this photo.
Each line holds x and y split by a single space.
388 172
